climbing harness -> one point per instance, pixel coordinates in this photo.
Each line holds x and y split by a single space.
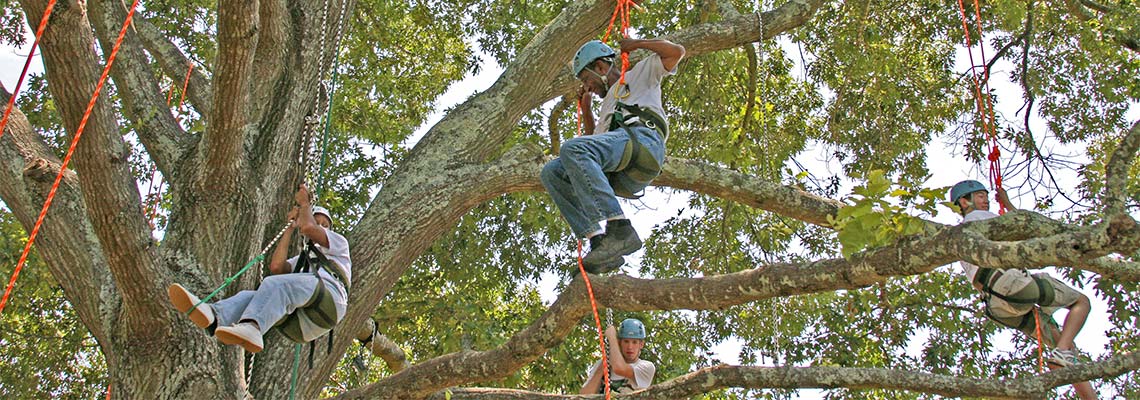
987 277
27 63
70 151
984 100
320 309
636 160
597 321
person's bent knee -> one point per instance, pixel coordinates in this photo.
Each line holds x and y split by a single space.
573 148
549 173
1082 301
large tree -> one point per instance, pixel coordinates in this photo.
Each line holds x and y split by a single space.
448 236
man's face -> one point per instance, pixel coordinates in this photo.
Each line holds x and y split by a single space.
324 221
591 77
631 349
980 199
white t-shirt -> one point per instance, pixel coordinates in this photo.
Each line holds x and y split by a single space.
337 252
642 83
976 215
643 372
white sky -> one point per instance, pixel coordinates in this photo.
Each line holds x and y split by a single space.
948 166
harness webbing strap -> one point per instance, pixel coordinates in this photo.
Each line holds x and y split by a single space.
1044 289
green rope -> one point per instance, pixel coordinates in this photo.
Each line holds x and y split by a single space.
296 366
229 280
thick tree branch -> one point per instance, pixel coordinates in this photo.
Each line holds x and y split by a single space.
174 64
269 60
727 376
66 241
462 367
1116 171
142 97
711 180
1079 247
1127 39
381 346
101 159
720 35
223 163
552 122
910 256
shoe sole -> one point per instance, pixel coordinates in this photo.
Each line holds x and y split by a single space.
1059 362
605 267
180 298
226 337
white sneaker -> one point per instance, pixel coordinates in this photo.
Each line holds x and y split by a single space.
183 300
1063 358
245 334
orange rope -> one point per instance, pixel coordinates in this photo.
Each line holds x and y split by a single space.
182 98
67 158
621 10
985 102
1040 342
597 321
151 197
27 63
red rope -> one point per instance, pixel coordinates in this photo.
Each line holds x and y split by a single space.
27 63
597 321
985 102
67 158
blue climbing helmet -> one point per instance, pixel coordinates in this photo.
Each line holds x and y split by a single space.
965 188
589 52
631 328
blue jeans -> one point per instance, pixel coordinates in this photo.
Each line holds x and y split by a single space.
577 182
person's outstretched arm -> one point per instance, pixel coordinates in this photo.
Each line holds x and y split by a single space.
277 262
670 53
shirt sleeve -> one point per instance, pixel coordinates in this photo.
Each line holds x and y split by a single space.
654 70
338 245
643 372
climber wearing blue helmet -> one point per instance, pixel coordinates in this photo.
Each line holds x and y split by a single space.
620 153
1010 295
630 372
